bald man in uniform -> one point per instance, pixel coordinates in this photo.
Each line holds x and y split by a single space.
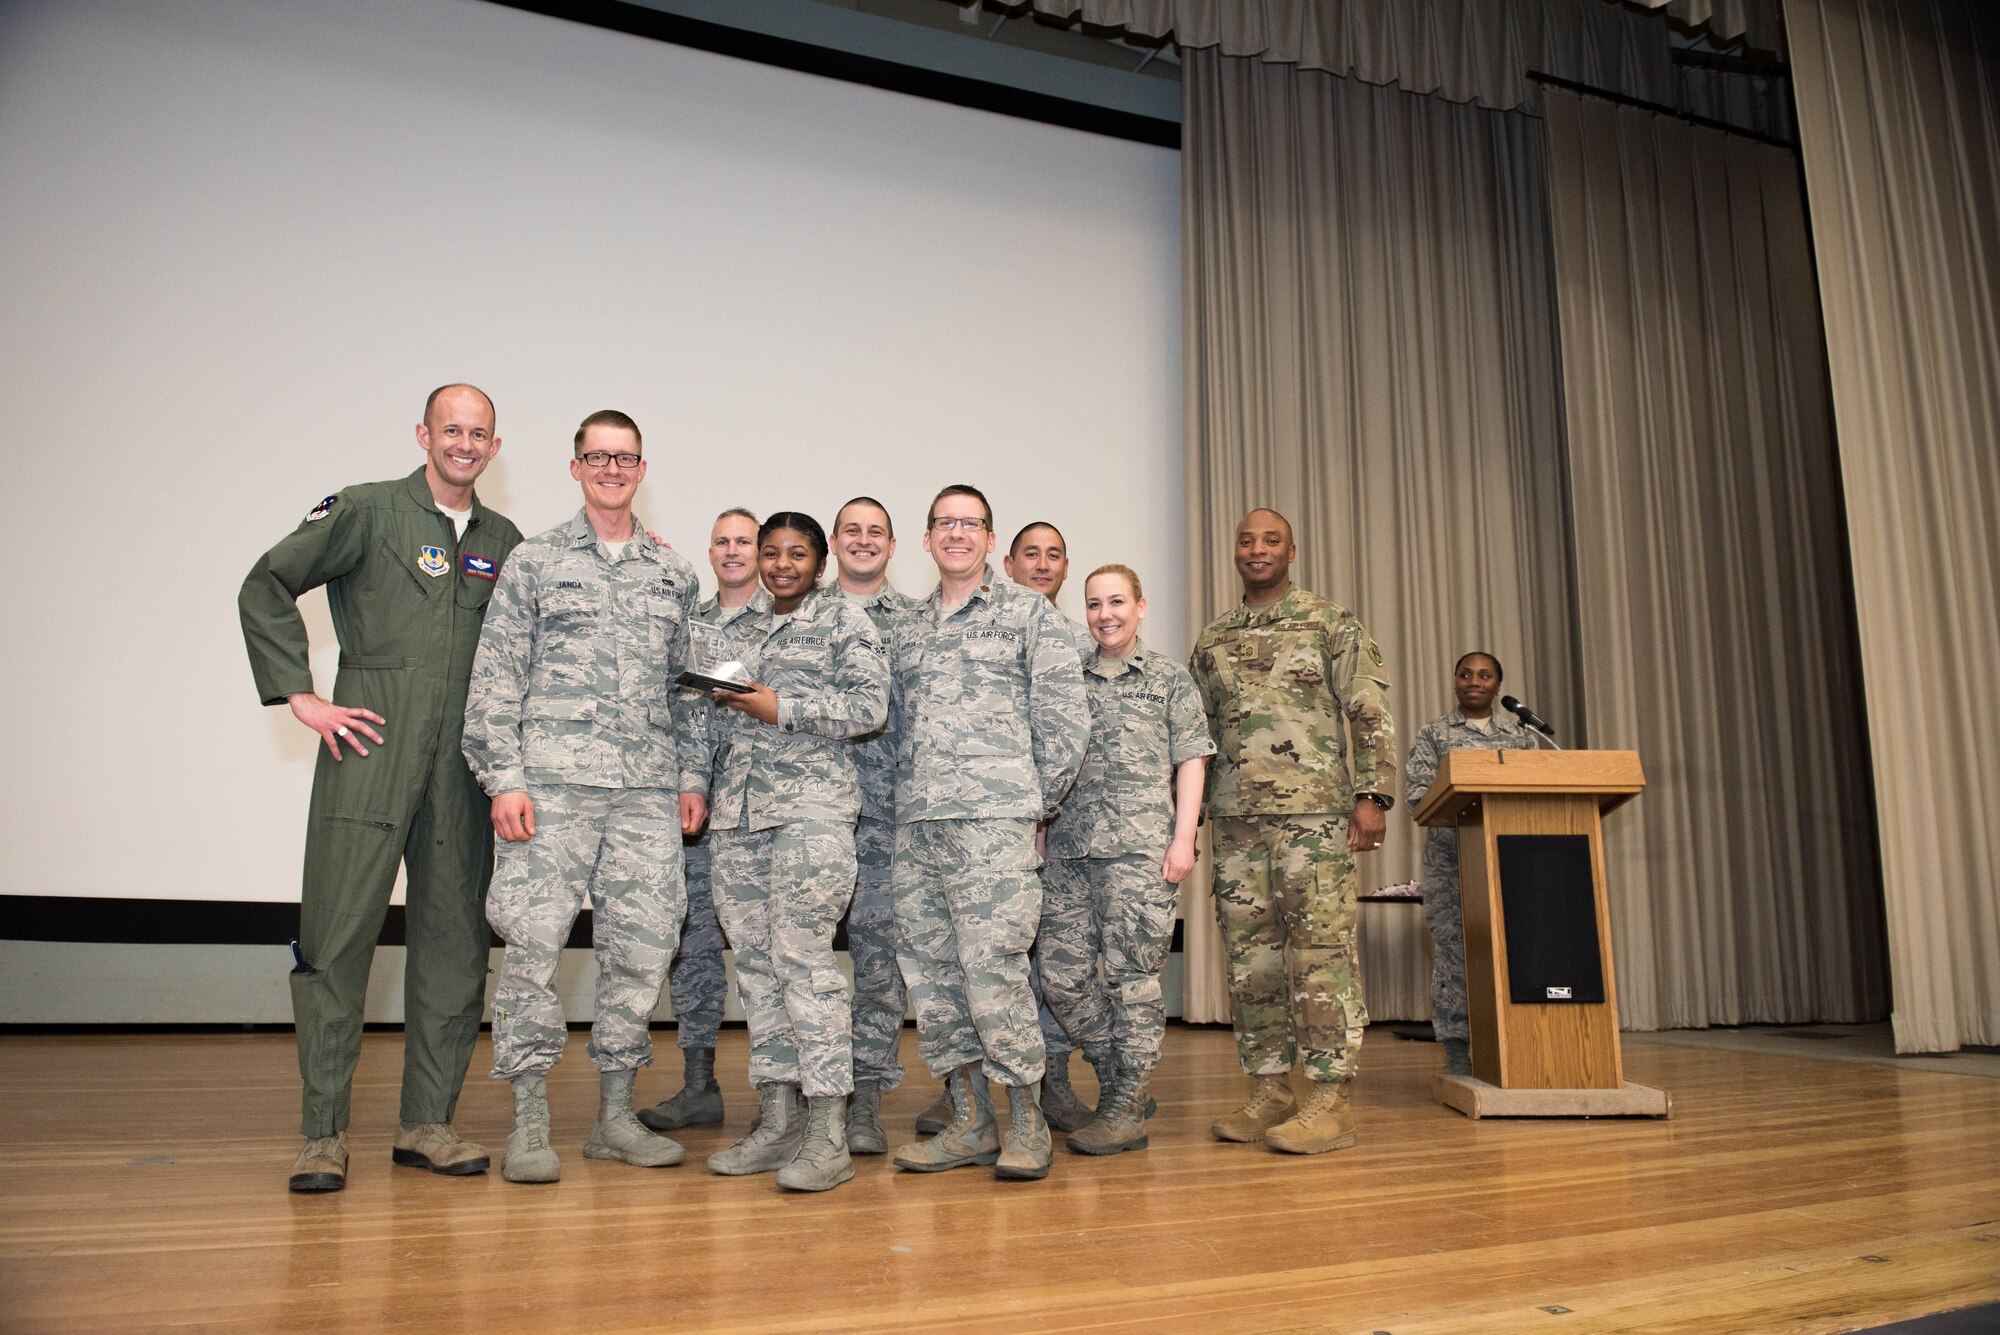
408 567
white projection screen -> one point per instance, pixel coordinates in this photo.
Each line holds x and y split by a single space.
241 239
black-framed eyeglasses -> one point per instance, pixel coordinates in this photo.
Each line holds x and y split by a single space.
599 458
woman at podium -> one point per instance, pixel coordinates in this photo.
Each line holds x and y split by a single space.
1475 723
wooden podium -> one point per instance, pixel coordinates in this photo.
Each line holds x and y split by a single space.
1541 992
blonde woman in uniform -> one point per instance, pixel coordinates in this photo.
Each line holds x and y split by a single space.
1117 852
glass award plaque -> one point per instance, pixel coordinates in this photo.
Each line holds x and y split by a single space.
712 662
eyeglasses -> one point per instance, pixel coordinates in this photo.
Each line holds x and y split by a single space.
950 522
599 458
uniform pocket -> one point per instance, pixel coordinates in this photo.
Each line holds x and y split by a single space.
474 591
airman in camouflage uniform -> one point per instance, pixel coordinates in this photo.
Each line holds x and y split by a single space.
1106 895
781 827
1492 730
572 725
864 539
990 721
1038 559
698 982
1277 674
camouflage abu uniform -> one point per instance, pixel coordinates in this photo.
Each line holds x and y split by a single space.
781 831
698 981
1058 1040
990 721
1453 732
1104 894
880 1001
1276 682
573 703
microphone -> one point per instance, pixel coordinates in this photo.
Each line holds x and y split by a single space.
1527 716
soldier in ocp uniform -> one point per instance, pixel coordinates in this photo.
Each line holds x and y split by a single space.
1117 854
408 567
989 718
1474 724
782 830
698 981
596 766
864 538
1284 677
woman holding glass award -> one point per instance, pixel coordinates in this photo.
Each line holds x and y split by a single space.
782 807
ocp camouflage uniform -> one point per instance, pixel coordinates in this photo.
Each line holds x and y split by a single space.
1276 682
781 829
880 1001
408 596
698 982
572 702
989 720
1453 732
1057 1040
1105 898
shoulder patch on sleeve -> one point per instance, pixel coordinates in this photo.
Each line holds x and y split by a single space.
323 509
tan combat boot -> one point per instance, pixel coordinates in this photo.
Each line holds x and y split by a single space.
620 1135
436 1147
322 1164
822 1162
1060 1104
969 1138
1270 1103
1026 1148
773 1141
1324 1122
530 1158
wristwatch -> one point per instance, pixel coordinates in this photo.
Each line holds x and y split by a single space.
1383 802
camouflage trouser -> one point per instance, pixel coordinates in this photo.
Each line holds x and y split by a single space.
1055 1039
967 902
879 1000
1120 911
780 894
623 846
1284 895
698 982
1441 915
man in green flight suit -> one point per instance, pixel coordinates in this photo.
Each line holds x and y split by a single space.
409 566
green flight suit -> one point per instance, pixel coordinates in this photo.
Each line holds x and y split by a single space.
408 598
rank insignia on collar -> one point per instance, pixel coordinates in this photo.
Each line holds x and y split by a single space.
432 561
322 510
479 567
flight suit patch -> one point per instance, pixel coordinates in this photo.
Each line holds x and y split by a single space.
432 561
480 567
322 510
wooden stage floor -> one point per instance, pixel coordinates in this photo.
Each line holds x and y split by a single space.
142 1188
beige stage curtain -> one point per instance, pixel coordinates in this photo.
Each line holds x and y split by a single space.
1462 50
1717 637
1369 348
1899 121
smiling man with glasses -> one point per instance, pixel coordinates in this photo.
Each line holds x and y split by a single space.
990 720
597 765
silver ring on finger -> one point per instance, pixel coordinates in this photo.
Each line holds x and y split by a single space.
341 731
